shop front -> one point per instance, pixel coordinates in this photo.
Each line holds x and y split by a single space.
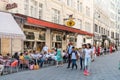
97 40
105 41
35 37
39 32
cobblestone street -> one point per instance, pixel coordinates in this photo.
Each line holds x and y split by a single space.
104 68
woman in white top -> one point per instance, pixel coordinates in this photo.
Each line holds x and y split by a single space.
88 55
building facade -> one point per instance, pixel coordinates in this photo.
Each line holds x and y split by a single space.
118 22
57 12
105 15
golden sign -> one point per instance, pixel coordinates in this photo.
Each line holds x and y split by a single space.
70 23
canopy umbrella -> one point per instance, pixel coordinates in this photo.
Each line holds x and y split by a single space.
9 27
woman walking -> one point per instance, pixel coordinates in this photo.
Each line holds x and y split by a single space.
82 56
59 58
88 55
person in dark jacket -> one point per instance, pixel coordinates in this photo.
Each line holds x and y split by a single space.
16 56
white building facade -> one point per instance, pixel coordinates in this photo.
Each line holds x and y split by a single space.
106 16
57 11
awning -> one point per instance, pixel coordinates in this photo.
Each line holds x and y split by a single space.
56 26
39 22
9 27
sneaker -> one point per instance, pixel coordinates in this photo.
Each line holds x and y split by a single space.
86 73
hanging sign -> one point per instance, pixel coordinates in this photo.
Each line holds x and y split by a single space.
70 23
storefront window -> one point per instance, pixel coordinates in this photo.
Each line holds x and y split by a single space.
40 45
30 35
55 44
71 39
42 36
28 45
58 38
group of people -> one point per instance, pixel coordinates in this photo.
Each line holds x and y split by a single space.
84 54
30 58
103 50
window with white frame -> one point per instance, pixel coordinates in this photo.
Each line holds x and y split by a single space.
31 10
87 26
26 7
118 18
80 23
96 28
99 29
112 6
55 16
102 31
87 11
79 6
69 2
112 15
40 10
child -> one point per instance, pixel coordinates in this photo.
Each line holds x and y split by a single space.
74 57
64 56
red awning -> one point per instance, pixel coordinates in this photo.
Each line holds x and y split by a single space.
56 26
51 25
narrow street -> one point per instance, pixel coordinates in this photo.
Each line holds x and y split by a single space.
104 68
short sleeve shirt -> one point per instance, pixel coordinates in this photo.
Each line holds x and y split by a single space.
88 52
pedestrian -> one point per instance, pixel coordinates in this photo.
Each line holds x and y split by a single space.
111 49
93 53
98 51
45 48
69 50
88 54
74 57
16 56
64 54
116 47
59 56
82 56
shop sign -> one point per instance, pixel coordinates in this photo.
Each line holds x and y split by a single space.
70 23
11 6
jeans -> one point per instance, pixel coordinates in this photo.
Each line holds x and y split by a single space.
69 60
81 62
87 63
41 61
74 63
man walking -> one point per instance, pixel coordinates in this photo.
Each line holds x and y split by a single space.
69 50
